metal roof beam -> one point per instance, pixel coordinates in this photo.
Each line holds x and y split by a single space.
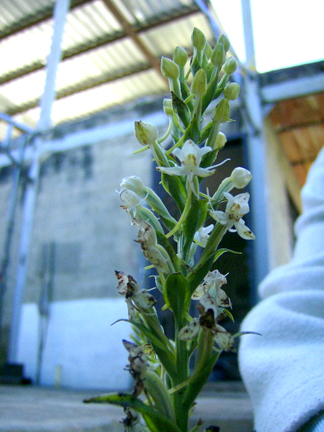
32 20
97 43
293 88
132 33
20 126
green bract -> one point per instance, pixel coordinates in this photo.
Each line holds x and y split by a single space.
165 388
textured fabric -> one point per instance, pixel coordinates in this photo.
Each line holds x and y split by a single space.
314 425
283 369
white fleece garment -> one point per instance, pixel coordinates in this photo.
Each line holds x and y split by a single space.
283 369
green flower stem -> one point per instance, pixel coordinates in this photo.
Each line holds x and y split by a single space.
204 366
183 215
142 149
211 89
213 242
175 87
167 133
159 155
213 134
181 411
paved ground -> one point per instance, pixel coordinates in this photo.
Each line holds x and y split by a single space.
34 409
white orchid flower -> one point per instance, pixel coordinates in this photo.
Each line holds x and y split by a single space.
208 321
135 297
236 208
152 251
212 285
190 156
202 235
131 202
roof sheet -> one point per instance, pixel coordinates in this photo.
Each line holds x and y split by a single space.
98 49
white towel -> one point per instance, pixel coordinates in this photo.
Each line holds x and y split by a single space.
283 369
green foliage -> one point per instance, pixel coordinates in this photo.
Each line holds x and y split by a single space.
165 389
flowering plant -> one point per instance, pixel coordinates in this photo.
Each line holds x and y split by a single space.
165 386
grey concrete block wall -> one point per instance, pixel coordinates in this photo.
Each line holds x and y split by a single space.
78 211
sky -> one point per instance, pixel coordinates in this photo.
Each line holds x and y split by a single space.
286 32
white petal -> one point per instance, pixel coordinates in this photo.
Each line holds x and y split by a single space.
223 339
243 231
214 279
204 150
179 171
238 206
203 172
122 282
144 299
222 298
131 309
219 216
202 235
190 148
198 293
190 330
209 303
179 154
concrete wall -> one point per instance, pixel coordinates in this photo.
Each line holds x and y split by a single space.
80 237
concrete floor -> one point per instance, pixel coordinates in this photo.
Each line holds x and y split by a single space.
29 408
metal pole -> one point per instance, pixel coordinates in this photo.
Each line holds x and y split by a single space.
256 154
60 11
10 224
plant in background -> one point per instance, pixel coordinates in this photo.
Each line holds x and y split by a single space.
169 374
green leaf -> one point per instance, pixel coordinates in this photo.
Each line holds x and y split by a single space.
154 419
194 220
181 109
165 242
221 251
159 343
177 295
159 393
175 188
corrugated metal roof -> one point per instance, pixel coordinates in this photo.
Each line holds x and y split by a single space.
111 52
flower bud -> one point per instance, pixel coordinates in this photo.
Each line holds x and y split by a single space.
221 114
221 140
223 40
146 133
167 107
199 83
169 68
240 177
218 55
198 39
208 50
231 90
180 56
133 183
230 66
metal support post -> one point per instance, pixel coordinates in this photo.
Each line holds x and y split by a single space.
60 11
256 155
10 224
